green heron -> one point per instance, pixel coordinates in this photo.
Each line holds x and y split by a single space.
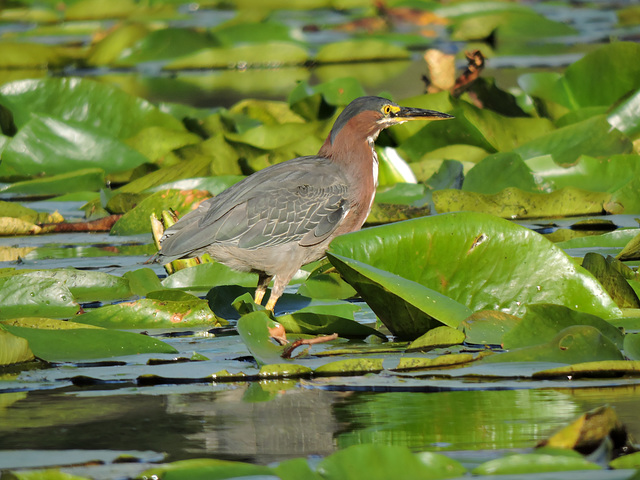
284 216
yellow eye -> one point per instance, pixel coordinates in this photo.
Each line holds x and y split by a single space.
386 109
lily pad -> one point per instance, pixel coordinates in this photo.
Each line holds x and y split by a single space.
71 342
488 326
522 463
21 296
479 261
147 313
515 203
543 322
575 344
137 220
13 349
87 102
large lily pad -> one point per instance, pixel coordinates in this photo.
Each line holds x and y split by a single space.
57 341
90 103
478 260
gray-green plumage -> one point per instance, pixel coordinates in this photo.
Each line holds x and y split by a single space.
285 216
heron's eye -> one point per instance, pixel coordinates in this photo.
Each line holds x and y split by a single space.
386 109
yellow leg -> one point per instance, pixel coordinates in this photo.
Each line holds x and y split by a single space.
263 283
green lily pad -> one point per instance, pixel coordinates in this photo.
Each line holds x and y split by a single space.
376 462
22 296
499 171
631 250
631 346
407 308
83 180
84 285
13 349
254 332
612 280
597 369
75 342
109 48
164 44
488 326
137 220
350 366
515 203
593 137
319 319
480 261
207 468
23 55
49 146
263 54
359 51
575 344
521 463
160 312
437 337
207 275
87 102
543 322
589 173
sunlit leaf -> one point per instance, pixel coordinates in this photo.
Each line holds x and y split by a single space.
156 312
82 180
137 220
254 331
263 54
358 51
543 322
90 103
407 308
49 146
437 337
521 463
488 326
13 349
480 261
575 344
385 461
515 203
612 280
21 296
81 343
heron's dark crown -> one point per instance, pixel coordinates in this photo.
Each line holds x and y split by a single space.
356 107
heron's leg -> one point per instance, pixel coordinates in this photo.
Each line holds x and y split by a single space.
276 292
263 283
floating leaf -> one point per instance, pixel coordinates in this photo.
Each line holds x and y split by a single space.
543 322
13 349
437 337
612 280
515 203
148 313
75 342
351 366
208 275
497 172
263 54
84 285
137 220
631 346
593 137
87 102
478 260
407 308
385 461
312 321
82 180
522 463
359 51
21 296
488 326
254 331
575 344
23 55
48 146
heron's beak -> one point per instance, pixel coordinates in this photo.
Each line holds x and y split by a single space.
408 113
